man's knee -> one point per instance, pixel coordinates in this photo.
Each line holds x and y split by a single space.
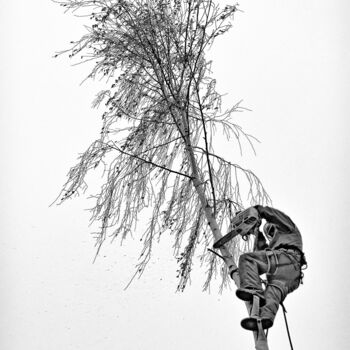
245 258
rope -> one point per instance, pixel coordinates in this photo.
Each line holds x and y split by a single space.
285 320
284 313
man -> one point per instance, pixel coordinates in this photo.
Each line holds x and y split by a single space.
281 259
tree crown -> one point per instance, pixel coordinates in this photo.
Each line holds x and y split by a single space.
162 112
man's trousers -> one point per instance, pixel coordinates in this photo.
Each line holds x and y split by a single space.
282 269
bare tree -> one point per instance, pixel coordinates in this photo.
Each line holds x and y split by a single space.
156 144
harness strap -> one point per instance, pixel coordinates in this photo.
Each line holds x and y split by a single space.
269 253
298 263
292 260
276 286
285 264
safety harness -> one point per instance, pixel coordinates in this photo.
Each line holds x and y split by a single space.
295 255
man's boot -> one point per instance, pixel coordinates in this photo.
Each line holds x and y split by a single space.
247 294
252 323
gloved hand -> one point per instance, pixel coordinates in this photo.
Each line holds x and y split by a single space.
260 242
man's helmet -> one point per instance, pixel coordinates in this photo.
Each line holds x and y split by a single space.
270 230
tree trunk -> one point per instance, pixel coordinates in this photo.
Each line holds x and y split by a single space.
259 339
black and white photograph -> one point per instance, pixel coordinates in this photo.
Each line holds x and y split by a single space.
175 175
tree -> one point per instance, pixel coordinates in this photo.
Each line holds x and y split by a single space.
162 112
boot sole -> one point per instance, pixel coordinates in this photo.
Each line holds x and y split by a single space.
246 296
251 323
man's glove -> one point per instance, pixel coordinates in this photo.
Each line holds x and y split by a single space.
260 243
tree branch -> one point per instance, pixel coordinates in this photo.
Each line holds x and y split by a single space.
148 161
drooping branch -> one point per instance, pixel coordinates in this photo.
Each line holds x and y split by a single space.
143 160
161 114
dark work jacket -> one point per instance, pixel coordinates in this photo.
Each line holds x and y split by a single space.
287 234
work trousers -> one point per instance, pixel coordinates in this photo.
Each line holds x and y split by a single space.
282 270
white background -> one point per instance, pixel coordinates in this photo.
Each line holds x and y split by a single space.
289 61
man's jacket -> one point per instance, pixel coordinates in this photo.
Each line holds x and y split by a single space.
286 234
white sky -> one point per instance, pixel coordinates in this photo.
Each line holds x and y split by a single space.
289 61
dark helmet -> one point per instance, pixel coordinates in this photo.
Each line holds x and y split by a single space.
270 230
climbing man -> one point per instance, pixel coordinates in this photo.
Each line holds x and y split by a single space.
281 259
